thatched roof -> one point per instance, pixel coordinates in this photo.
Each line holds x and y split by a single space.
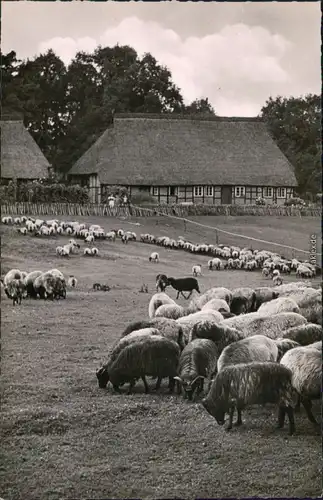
21 158
176 150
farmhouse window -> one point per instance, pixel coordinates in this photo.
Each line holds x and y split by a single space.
198 190
281 192
209 191
155 191
268 192
172 191
240 191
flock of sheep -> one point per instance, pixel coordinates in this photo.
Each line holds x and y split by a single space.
272 264
240 347
251 346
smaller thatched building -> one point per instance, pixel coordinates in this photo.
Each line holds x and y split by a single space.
21 158
188 159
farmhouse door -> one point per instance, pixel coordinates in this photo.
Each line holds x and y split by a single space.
226 195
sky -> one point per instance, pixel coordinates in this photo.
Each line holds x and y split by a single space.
236 54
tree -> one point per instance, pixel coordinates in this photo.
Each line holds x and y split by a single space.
200 106
295 125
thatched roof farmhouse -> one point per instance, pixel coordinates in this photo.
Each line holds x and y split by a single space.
188 159
21 158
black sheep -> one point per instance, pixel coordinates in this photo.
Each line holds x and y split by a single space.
184 285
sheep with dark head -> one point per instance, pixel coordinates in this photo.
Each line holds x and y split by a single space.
243 300
264 294
237 386
184 285
197 362
153 356
161 282
305 363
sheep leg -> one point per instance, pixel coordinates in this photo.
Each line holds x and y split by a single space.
239 419
298 404
231 413
179 387
158 384
290 413
116 388
281 417
145 384
200 387
131 386
177 295
308 408
171 385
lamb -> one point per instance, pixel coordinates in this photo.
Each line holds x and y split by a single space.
157 300
184 285
197 361
217 305
304 334
87 251
22 230
72 281
94 251
237 386
154 257
172 311
305 363
276 306
243 300
153 356
29 283
197 271
161 282
270 326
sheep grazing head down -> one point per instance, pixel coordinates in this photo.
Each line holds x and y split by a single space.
190 386
103 377
218 412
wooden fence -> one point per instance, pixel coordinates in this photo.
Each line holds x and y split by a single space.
75 209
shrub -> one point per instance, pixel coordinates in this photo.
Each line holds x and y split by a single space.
143 199
41 191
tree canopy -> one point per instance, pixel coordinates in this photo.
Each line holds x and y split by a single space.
67 108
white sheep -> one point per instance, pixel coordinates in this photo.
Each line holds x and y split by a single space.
277 280
305 364
17 221
216 305
171 311
157 300
22 230
304 272
276 306
111 235
89 238
94 251
276 272
266 272
197 270
214 263
6 220
59 250
154 257
87 251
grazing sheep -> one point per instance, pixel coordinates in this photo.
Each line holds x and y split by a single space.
89 238
213 293
304 334
275 273
184 285
197 271
94 251
154 257
111 235
44 286
166 327
260 324
161 282
29 283
305 363
16 290
277 280
214 263
157 300
13 274
264 294
197 361
237 386
217 305
257 348
266 272
153 356
72 281
172 311
6 220
22 230
304 272
276 306
243 300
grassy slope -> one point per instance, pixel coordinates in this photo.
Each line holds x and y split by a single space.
63 437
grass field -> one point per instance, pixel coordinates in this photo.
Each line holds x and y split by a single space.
63 437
